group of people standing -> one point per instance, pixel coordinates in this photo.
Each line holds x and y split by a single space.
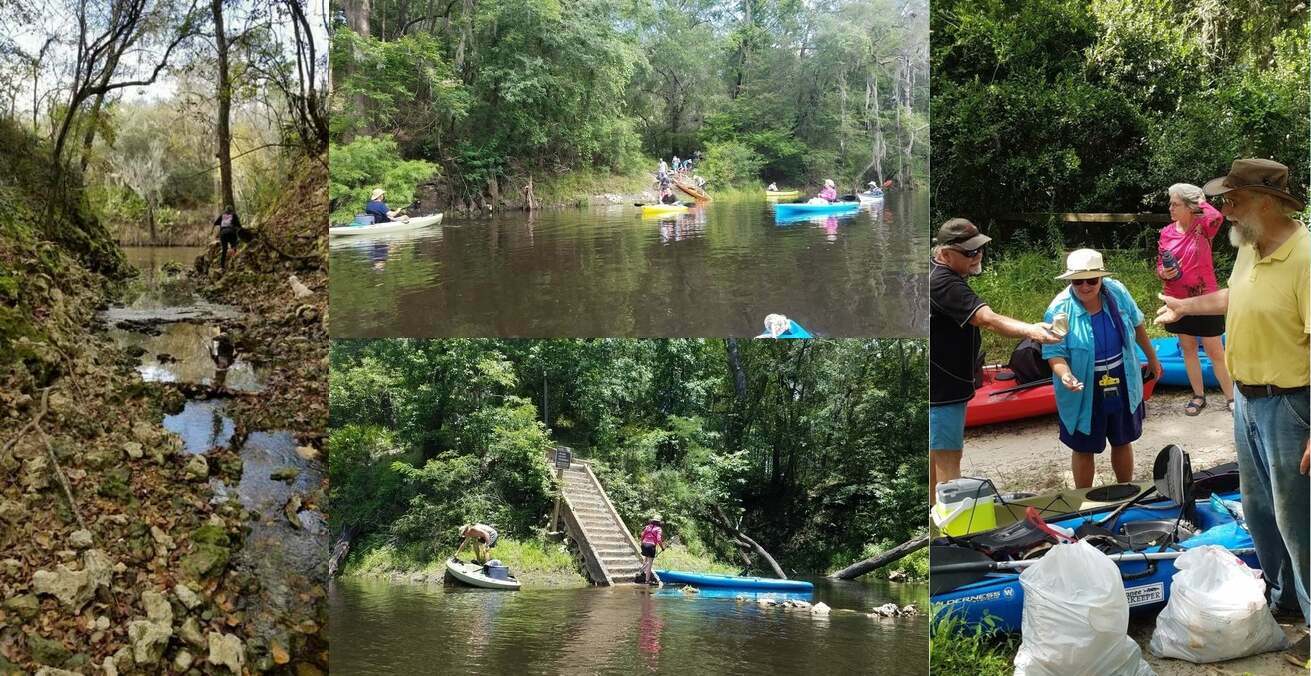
1091 326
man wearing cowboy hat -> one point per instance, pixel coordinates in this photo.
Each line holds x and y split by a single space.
377 208
955 343
1267 320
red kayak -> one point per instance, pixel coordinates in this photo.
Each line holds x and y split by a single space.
999 400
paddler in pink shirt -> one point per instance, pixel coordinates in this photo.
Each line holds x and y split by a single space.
1184 263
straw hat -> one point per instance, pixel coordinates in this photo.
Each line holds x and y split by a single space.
377 192
1084 264
1265 176
828 183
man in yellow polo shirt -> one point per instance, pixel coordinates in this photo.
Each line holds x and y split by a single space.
1268 351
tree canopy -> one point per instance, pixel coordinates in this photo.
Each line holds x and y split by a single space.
817 445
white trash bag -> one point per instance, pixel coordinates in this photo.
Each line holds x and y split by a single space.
1076 617
1217 610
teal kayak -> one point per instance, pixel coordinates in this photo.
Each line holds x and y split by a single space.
795 330
732 581
785 210
1172 363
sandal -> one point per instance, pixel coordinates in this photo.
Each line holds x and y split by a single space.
1195 405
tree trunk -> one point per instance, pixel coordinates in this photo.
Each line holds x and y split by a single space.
718 518
150 221
222 130
89 138
859 568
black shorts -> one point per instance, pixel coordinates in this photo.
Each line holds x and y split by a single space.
1204 326
648 550
228 236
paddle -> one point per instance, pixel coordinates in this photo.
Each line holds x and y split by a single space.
658 204
968 565
1172 477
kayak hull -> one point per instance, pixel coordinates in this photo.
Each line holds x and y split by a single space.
869 199
992 404
785 210
472 575
381 228
732 581
1146 584
782 194
662 209
795 331
1172 363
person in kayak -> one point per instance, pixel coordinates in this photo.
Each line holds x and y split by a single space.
1267 309
667 195
482 536
377 208
772 187
956 316
229 229
1184 264
830 191
1099 387
874 190
652 536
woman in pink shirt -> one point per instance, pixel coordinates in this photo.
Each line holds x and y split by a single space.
1184 263
830 191
652 536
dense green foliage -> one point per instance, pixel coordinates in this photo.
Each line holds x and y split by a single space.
816 446
367 163
498 92
1068 105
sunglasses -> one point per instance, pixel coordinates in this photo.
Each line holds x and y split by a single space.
968 253
1081 282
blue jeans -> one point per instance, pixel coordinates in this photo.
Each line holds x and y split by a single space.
1271 435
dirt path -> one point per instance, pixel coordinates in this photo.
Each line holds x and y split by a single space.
1028 456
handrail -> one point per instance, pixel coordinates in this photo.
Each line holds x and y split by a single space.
591 556
618 521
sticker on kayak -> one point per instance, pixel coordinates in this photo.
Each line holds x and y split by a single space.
1008 592
1141 596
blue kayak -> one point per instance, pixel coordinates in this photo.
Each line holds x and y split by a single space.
795 330
1146 584
732 581
1172 363
789 210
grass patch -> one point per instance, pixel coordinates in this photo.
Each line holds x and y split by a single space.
536 563
692 558
958 648
576 188
1021 284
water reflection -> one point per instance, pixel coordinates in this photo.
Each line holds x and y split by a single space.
712 271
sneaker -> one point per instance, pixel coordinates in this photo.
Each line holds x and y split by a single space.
1298 655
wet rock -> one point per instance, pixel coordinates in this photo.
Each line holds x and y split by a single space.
80 539
47 651
226 650
149 639
191 635
292 510
287 474
25 606
279 653
75 587
183 661
910 609
820 608
197 468
307 452
186 597
205 561
897 576
134 450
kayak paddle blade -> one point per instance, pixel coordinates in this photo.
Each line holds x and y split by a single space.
950 555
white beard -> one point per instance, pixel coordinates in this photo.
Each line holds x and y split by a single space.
1241 234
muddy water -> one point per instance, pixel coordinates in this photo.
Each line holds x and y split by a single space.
383 627
713 271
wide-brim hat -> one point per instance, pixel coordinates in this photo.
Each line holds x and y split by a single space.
962 234
1267 176
1084 264
377 192
655 518
829 182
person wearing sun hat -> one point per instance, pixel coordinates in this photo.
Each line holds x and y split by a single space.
652 536
956 316
1099 387
1267 309
830 191
377 208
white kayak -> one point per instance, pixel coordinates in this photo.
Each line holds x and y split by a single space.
868 198
390 226
472 574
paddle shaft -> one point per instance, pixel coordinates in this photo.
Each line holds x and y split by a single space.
1011 565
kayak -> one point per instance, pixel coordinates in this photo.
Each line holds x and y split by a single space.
662 209
731 581
1146 584
785 210
782 193
869 199
992 403
795 331
1172 363
390 226
472 574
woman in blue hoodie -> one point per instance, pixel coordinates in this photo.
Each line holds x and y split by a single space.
1099 387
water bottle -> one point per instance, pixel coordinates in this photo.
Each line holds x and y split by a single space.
1169 262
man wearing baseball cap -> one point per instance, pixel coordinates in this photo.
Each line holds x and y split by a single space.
955 343
1267 309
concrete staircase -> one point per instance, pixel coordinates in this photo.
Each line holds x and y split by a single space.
609 551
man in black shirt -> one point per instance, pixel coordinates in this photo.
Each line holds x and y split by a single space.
956 344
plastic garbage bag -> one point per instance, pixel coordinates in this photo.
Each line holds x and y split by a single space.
1076 617
1217 610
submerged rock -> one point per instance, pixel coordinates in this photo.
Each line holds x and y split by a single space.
75 587
820 608
287 474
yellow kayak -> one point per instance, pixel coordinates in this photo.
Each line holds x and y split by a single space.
782 193
659 209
